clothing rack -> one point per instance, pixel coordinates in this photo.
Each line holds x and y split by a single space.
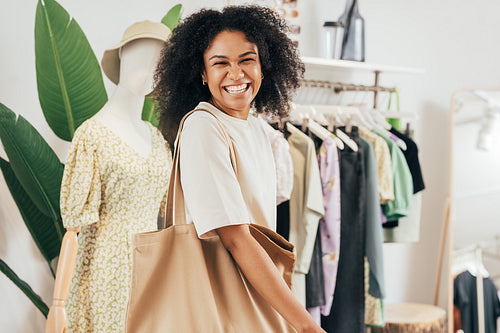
479 250
339 87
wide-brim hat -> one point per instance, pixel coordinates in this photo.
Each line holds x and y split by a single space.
146 29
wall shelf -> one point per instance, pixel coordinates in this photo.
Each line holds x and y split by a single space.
318 65
314 63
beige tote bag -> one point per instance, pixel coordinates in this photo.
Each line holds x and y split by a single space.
183 284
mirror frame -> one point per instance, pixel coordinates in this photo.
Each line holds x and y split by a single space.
446 244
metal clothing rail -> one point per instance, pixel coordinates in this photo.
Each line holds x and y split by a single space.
339 87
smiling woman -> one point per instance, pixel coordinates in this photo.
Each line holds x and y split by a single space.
225 63
233 73
184 62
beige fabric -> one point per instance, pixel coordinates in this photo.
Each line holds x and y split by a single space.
246 197
384 167
306 206
146 29
112 192
182 283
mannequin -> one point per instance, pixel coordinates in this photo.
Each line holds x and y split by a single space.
122 116
122 112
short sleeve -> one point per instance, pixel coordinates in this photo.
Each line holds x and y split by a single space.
81 185
403 185
212 193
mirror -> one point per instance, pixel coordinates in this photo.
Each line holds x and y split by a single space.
475 202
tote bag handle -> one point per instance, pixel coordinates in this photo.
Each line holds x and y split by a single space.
175 212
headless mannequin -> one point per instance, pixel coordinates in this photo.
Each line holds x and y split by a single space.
122 115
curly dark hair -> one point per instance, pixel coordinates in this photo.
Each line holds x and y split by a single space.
178 75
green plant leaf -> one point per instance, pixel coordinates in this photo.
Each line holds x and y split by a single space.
34 163
41 227
173 17
25 288
69 78
148 111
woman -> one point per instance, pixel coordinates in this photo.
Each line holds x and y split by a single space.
227 62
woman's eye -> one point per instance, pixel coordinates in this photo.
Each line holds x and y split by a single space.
248 60
220 63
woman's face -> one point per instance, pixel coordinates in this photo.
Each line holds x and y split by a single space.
232 72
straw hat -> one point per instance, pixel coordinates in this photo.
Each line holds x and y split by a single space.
146 29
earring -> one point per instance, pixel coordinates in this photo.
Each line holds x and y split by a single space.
262 76
204 82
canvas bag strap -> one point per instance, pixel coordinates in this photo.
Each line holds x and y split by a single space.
175 212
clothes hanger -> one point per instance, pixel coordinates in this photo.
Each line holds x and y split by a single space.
320 118
299 113
374 125
358 118
316 120
334 114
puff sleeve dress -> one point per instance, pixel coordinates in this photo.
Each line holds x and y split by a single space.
111 192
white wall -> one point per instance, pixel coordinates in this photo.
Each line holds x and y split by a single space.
476 182
454 41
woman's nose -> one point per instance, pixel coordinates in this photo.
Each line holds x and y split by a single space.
235 73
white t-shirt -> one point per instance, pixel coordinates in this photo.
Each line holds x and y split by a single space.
214 198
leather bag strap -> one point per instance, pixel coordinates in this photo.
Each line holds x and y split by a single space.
175 212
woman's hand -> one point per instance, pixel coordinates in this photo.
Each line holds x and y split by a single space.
261 272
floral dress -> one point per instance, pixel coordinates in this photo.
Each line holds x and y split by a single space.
112 192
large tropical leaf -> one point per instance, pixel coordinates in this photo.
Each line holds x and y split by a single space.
34 163
148 111
25 288
173 17
41 227
69 79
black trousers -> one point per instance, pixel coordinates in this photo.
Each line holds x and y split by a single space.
348 309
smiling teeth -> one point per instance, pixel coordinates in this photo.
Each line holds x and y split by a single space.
237 89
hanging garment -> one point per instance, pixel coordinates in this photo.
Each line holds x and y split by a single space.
306 207
384 168
329 168
112 192
403 184
347 313
382 216
283 220
249 196
408 228
411 156
315 291
374 307
374 239
465 298
391 224
283 163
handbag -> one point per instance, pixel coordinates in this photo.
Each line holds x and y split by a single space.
183 284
